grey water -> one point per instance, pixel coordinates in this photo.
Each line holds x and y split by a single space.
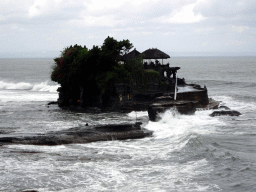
185 153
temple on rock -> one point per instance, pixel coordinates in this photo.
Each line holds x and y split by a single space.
154 79
156 85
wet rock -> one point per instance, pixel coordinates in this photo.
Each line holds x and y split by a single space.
53 103
197 94
162 99
30 191
226 112
213 104
224 107
84 134
162 104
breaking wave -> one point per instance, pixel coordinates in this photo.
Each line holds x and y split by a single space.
43 86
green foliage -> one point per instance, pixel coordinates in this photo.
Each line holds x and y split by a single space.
140 76
97 69
94 69
143 78
65 65
115 49
135 64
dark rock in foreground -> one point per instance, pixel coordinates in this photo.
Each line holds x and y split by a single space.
226 112
82 135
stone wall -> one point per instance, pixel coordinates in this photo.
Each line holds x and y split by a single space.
200 96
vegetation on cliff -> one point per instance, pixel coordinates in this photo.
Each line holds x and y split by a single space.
99 68
80 65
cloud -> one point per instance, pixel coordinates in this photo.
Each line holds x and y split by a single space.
204 30
229 12
138 12
95 21
98 6
10 10
116 13
111 13
52 10
240 29
43 7
54 24
185 15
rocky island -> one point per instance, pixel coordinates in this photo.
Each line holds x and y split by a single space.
112 78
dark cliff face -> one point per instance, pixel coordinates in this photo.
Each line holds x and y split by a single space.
183 107
115 99
201 96
116 93
137 94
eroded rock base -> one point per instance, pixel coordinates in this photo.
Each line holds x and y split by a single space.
164 103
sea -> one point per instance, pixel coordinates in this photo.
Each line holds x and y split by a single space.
185 153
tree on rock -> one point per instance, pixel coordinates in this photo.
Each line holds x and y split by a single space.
87 75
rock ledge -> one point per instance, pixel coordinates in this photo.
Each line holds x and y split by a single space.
84 134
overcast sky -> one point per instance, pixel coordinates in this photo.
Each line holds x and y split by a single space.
169 25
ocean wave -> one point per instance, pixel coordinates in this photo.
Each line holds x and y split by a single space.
43 86
174 125
249 85
241 103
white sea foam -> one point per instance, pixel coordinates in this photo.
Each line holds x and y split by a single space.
10 85
135 114
44 86
25 96
236 104
186 89
172 124
47 149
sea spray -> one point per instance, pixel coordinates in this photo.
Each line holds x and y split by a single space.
173 124
10 85
43 86
25 96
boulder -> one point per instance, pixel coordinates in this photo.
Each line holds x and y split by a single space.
84 134
211 105
226 112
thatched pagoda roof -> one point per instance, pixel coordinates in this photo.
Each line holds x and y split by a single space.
131 55
154 53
